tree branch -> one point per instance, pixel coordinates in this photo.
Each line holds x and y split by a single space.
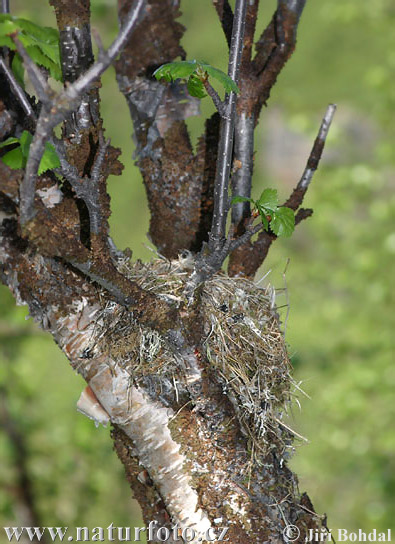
226 18
243 160
19 92
73 20
296 198
225 147
56 108
218 103
251 256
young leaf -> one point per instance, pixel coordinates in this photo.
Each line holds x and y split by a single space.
192 69
18 69
42 43
236 199
227 83
17 158
14 158
9 141
283 222
264 219
50 159
25 140
268 200
176 70
196 87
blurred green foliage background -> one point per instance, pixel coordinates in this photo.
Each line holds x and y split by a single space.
340 279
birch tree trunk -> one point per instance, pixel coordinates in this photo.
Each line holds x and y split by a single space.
188 363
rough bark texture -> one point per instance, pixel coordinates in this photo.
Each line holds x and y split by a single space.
189 453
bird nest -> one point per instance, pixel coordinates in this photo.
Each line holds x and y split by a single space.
242 340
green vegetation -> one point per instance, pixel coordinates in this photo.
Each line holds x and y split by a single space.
340 327
41 43
280 219
17 157
195 73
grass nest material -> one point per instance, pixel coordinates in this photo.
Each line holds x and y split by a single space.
242 341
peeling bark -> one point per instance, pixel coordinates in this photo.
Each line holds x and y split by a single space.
196 405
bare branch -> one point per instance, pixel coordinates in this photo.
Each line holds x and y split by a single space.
225 147
245 237
226 17
56 109
296 199
18 91
218 103
303 213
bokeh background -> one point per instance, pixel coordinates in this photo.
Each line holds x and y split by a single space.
339 281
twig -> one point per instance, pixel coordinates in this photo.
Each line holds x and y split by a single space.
303 213
68 171
245 237
60 105
18 91
225 147
218 103
296 198
226 17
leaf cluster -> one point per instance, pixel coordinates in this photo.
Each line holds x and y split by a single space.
41 43
17 157
195 73
280 219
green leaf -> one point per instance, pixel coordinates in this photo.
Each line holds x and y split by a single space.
49 160
18 69
44 34
9 141
25 140
42 43
196 87
36 54
176 70
264 219
237 199
283 222
14 158
184 69
17 158
268 200
227 83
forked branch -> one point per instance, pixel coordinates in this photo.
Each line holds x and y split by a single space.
252 255
57 106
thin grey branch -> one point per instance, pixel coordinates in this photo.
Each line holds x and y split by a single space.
225 147
56 108
245 237
218 103
296 198
18 91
